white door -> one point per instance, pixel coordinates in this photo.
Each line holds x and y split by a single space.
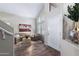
54 22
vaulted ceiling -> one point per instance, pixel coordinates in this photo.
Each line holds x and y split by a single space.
30 10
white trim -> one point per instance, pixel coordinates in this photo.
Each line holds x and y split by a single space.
6 31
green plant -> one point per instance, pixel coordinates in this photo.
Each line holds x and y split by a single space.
73 12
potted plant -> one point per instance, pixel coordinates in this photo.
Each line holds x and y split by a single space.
74 13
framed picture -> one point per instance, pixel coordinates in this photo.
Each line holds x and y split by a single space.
24 28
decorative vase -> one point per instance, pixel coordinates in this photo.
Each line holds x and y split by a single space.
71 34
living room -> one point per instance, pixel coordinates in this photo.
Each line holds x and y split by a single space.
37 29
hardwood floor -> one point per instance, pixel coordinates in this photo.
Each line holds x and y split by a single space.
37 48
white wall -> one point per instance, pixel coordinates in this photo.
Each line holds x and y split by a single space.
52 26
15 20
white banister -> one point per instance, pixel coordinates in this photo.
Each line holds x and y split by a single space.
6 31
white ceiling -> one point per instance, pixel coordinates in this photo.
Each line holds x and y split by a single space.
30 10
